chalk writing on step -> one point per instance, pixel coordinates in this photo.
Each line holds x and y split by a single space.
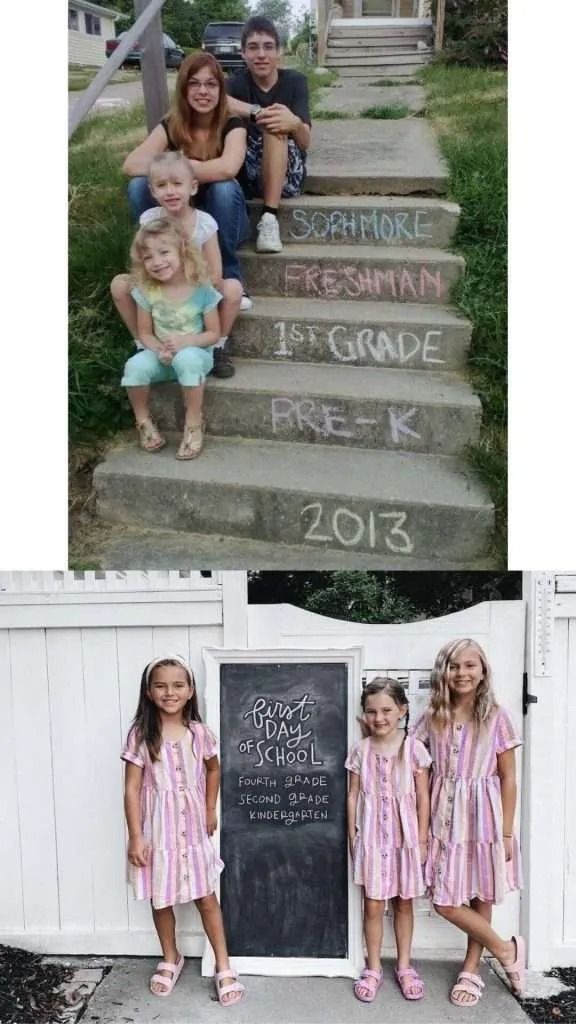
374 530
352 344
361 225
353 281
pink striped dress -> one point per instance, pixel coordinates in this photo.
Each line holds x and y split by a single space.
466 851
386 856
183 864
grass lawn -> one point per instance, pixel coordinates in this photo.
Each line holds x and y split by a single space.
468 109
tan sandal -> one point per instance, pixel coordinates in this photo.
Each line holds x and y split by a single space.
149 436
192 441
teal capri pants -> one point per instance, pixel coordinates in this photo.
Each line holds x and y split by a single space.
190 367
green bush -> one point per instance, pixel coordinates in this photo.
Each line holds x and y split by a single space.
475 31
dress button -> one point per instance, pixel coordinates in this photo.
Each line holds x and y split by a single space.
450 799
185 877
459 726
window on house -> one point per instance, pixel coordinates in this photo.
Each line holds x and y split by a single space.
92 25
72 19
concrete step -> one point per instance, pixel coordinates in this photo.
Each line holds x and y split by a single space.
398 70
386 504
381 157
121 547
395 335
375 220
346 406
359 94
376 60
359 273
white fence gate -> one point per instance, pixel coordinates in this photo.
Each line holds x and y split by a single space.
71 653
407 653
72 650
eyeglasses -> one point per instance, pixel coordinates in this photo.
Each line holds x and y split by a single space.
194 85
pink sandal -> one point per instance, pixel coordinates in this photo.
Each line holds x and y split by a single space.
471 984
371 981
408 979
237 988
161 979
518 967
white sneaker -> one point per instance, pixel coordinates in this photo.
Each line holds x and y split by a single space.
245 302
268 239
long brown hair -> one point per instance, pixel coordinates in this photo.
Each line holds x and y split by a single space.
440 709
181 118
146 722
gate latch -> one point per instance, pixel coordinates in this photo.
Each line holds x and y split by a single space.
527 698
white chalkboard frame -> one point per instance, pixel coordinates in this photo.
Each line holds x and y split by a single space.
352 658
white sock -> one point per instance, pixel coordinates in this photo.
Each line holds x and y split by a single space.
221 342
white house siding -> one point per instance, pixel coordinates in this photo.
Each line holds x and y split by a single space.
88 49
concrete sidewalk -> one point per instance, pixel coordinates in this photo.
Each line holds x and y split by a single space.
123 996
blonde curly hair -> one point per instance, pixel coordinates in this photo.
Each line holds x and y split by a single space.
440 709
193 264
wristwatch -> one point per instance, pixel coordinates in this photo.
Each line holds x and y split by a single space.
254 111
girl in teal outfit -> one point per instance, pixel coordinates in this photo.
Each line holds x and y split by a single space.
178 324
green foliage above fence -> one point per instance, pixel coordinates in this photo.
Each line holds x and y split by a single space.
475 31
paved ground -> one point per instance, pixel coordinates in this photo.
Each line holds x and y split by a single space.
121 95
123 996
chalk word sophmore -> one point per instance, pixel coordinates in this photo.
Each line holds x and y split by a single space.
350 529
357 282
325 420
361 225
361 344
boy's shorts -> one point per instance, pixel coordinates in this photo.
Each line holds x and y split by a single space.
251 175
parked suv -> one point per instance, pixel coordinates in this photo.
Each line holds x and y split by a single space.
222 39
173 54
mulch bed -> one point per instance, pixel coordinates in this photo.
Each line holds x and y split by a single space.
560 1008
27 988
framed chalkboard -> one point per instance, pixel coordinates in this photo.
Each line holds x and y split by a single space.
285 721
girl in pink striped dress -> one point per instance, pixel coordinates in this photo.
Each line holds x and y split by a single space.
172 780
388 816
473 857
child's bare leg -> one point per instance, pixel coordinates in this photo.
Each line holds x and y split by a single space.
120 289
474 949
139 399
230 306
213 925
478 928
165 924
403 929
373 927
193 399
274 166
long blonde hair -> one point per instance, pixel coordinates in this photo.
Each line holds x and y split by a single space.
193 264
440 709
181 117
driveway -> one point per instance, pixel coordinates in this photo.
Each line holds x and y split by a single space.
120 95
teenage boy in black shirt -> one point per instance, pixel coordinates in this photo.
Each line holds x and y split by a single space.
275 102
